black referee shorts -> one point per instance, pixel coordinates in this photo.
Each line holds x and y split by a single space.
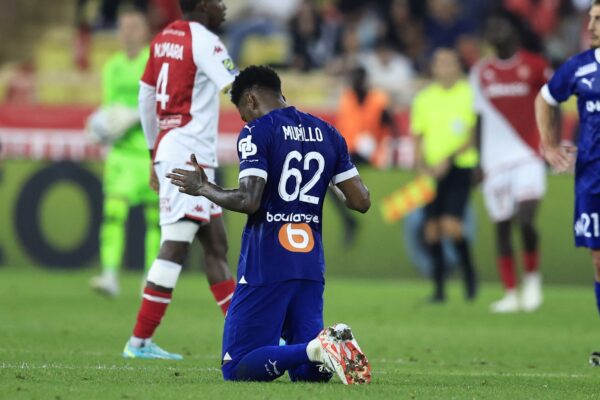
452 194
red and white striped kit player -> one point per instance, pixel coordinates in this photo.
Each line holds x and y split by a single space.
510 146
514 171
187 69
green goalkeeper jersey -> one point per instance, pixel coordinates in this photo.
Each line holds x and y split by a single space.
120 85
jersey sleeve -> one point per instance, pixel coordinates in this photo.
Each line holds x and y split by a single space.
476 88
252 149
561 86
344 168
212 58
149 77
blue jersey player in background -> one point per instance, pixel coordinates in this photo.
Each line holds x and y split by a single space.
287 161
579 76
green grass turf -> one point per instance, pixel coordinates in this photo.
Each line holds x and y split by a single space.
58 340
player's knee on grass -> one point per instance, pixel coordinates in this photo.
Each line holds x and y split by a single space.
248 373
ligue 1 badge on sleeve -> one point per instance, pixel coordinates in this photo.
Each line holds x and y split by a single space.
230 66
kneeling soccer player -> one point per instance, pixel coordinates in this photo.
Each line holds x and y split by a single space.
287 160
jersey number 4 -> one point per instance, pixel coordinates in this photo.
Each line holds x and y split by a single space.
161 86
290 172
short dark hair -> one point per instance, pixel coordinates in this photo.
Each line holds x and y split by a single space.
596 3
259 76
187 6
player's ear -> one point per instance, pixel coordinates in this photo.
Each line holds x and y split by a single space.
251 100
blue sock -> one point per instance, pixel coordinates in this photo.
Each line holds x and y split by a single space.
597 285
269 363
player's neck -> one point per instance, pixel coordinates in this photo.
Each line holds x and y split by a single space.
274 104
133 51
506 52
201 19
447 84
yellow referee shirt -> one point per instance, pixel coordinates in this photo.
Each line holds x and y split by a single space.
445 119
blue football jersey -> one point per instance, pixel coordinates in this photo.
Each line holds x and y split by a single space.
298 155
580 76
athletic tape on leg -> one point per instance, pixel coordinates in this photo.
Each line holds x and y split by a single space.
180 231
164 273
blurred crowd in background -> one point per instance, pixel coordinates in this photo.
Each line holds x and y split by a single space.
392 39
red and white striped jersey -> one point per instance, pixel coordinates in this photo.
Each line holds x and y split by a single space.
187 68
505 92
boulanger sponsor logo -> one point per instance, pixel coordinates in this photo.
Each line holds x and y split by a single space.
293 217
297 238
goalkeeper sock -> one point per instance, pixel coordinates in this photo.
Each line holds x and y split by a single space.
223 292
112 233
267 363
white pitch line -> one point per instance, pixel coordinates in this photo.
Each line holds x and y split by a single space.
100 367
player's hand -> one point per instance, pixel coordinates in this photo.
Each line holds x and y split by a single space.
561 158
189 182
154 185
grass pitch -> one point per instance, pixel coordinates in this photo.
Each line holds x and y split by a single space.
59 341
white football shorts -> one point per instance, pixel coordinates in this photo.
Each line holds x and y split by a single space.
175 205
504 189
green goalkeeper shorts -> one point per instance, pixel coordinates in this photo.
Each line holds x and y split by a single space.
127 176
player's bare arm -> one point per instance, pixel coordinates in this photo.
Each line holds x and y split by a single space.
245 199
356 194
546 115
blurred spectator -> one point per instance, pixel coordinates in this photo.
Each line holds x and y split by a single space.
349 55
313 38
567 38
445 26
542 16
107 18
365 120
443 122
404 30
21 84
259 17
390 71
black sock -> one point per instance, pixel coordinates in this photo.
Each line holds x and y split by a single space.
439 269
464 255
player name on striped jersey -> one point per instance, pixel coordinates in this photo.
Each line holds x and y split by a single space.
168 50
300 134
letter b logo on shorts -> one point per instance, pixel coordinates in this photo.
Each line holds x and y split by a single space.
297 238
